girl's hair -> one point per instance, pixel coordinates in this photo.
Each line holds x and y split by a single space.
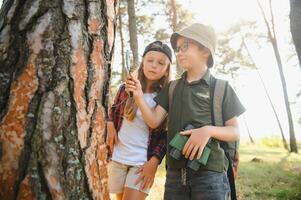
131 107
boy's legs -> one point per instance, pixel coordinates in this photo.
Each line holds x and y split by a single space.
174 187
205 185
210 185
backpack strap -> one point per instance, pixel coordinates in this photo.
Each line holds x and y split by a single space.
171 90
217 94
218 97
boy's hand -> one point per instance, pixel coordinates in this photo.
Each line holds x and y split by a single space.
112 137
147 173
197 141
133 85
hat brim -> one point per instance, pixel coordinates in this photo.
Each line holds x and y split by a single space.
161 51
173 40
210 61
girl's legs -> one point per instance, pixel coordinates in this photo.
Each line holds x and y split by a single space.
131 190
130 194
117 175
119 196
122 180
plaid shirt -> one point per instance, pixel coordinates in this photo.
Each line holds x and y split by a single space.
157 140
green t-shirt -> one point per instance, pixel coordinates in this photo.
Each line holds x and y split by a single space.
191 105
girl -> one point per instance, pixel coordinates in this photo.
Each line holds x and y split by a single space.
136 149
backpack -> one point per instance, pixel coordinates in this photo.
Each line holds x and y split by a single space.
218 89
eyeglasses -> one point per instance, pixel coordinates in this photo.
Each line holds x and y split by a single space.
185 47
182 48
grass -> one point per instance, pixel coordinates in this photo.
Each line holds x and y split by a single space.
274 175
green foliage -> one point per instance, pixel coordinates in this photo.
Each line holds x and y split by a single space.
232 52
184 18
161 34
144 24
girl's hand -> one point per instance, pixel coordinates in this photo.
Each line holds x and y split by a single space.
133 85
112 137
147 173
197 141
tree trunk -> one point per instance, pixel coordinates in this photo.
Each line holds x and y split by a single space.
295 22
248 130
54 76
267 94
174 27
273 40
133 33
174 16
123 74
293 144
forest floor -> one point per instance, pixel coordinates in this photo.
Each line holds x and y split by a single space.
266 172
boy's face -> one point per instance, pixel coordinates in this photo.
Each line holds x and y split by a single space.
190 54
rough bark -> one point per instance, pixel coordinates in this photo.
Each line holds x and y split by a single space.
54 76
133 33
295 23
174 26
174 16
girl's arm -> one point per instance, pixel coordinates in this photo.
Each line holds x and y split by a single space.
112 137
158 144
147 173
152 117
117 99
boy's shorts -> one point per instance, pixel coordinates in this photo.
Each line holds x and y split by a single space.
121 175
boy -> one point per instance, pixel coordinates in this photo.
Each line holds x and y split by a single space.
194 47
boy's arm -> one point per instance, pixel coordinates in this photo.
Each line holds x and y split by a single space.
227 133
199 137
152 117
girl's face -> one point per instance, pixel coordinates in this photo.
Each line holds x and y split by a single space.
189 53
155 65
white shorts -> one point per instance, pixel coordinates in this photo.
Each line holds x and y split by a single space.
121 175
